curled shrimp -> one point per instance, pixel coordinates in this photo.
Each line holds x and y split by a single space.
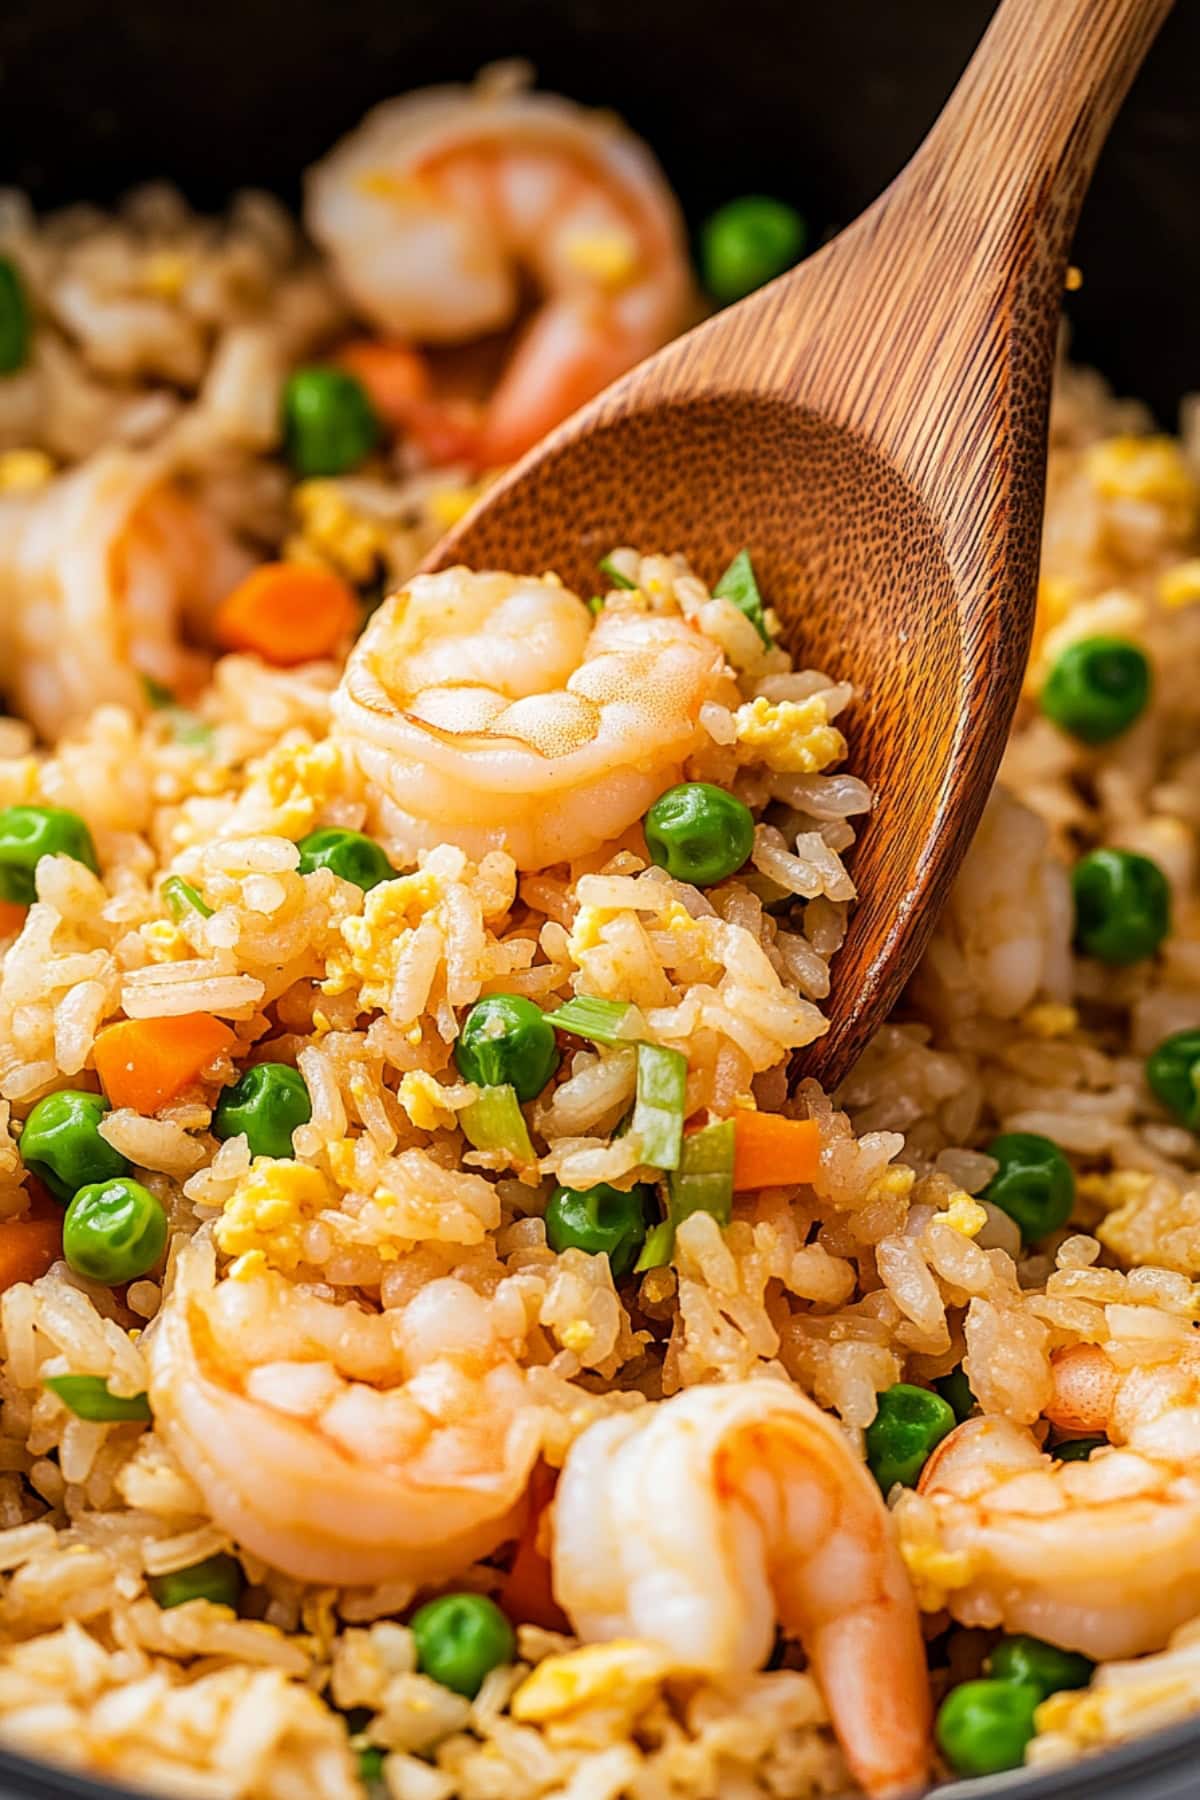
444 205
695 1522
1101 1556
338 1444
488 711
102 572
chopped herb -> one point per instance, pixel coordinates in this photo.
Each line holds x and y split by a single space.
740 585
599 1021
157 694
180 898
88 1397
495 1122
658 1110
596 604
607 567
703 1182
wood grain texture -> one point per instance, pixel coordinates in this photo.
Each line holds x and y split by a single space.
873 427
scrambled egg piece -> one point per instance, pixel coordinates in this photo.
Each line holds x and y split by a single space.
1180 584
165 941
263 1220
290 784
379 939
1049 1019
934 1572
963 1214
1114 1189
23 470
422 1097
793 737
1151 469
894 1183
334 533
625 1672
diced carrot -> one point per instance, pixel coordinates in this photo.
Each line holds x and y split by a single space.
12 918
288 613
527 1594
27 1248
395 377
771 1151
145 1063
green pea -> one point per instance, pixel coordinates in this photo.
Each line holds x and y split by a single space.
907 1428
1039 1665
350 854
699 833
27 833
955 1390
603 1220
1034 1184
748 242
507 1041
218 1578
267 1104
62 1145
1078 1449
1097 688
114 1231
15 324
460 1638
983 1726
1122 906
1173 1072
329 424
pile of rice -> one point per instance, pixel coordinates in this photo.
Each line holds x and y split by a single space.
883 1269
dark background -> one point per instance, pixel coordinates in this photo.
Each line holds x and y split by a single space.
821 101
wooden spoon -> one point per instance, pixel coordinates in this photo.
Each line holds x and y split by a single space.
873 427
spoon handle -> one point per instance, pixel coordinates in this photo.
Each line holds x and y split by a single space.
1015 147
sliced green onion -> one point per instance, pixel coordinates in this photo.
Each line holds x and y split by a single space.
187 729
158 695
607 567
180 898
659 1104
88 1397
599 1021
657 1249
495 1122
596 604
703 1182
740 585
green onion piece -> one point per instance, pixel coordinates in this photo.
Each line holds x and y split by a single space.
659 1104
89 1398
657 1249
703 1182
607 567
740 585
599 1021
158 695
187 729
495 1122
180 897
596 604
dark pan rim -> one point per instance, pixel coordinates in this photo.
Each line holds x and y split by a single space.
1125 1773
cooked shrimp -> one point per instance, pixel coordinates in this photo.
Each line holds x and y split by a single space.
488 711
100 573
1101 1556
338 1444
696 1522
442 206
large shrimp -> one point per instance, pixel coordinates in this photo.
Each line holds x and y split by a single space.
101 572
1101 1556
442 206
338 1444
695 1522
488 711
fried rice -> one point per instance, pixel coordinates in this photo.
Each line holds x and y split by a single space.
165 335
